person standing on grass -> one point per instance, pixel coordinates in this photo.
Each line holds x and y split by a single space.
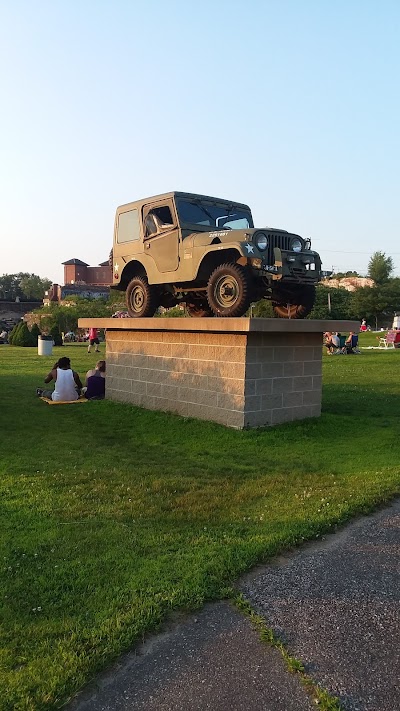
67 382
93 340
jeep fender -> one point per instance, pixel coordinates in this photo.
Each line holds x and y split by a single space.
134 267
216 255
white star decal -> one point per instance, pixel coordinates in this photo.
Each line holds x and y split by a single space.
250 248
116 266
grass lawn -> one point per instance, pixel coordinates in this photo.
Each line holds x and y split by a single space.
112 516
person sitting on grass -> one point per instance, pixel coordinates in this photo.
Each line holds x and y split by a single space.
351 343
329 344
67 382
95 382
336 340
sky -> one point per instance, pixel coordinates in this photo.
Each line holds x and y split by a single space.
290 106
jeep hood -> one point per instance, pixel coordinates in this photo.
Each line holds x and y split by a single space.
202 239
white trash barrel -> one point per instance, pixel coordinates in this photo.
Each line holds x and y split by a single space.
45 345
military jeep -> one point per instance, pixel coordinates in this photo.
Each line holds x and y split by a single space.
205 252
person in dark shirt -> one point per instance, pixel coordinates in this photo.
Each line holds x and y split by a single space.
96 382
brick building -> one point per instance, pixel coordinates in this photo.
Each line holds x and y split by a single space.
81 280
78 272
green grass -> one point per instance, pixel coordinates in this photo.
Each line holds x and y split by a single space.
112 516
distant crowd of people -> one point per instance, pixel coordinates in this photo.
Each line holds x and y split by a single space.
337 344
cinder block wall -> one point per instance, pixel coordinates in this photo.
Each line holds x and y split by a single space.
236 379
283 377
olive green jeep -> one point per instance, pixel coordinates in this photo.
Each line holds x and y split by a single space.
205 252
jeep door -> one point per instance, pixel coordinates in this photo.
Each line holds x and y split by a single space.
161 237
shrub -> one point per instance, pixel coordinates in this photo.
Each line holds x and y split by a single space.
14 332
35 333
23 337
262 309
55 332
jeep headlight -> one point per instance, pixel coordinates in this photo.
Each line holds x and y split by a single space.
261 241
296 245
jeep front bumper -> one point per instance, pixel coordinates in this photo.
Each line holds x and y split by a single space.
304 267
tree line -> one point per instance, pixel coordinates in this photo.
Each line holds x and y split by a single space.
23 286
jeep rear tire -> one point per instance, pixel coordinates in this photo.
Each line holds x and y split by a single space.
228 290
296 303
141 298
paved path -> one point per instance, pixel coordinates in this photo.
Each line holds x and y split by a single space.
337 606
335 603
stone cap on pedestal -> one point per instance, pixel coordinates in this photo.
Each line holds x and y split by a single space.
221 325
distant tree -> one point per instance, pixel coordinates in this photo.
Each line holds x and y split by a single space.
33 286
377 304
262 309
66 316
380 267
23 285
10 287
332 303
116 299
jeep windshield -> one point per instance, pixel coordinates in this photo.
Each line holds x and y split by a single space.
213 215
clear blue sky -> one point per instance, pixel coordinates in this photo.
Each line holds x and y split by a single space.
291 106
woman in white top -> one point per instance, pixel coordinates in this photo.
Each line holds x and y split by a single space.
67 382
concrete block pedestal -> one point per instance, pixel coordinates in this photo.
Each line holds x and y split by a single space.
239 372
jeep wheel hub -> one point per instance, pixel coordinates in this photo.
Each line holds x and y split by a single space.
137 298
226 291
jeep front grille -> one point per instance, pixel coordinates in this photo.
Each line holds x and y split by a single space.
278 239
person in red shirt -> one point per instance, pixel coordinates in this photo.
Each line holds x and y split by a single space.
93 340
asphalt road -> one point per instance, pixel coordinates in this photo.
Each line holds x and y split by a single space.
336 605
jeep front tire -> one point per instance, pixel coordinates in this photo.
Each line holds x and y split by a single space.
141 298
228 290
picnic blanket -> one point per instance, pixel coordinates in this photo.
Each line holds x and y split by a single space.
63 402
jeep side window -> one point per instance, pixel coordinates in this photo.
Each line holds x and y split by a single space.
163 214
128 227
158 218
